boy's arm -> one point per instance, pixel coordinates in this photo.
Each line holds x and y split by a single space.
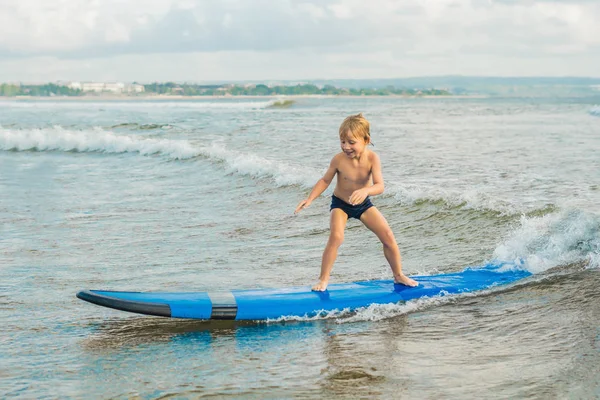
377 176
320 186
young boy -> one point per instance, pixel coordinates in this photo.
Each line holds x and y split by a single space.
359 176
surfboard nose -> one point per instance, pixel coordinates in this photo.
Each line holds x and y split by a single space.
104 298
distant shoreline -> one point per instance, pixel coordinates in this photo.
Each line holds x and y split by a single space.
212 97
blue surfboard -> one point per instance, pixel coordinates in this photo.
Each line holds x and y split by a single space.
261 304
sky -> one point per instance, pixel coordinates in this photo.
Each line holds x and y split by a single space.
236 40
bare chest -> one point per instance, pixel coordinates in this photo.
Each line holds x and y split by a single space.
356 173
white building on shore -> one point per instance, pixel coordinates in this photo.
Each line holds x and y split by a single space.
107 87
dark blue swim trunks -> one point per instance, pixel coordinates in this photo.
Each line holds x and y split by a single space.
349 209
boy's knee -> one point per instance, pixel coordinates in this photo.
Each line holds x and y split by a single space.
388 239
336 239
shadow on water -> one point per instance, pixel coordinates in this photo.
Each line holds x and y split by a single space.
115 334
127 333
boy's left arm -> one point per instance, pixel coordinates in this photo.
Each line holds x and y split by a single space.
377 176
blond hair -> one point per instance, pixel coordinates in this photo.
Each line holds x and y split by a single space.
357 126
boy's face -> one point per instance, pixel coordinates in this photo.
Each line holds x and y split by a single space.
351 145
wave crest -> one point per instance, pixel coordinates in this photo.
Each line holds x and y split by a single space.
101 141
553 240
479 201
259 167
95 140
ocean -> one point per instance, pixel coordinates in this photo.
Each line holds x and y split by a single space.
199 194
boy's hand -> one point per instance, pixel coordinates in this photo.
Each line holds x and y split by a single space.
358 196
302 205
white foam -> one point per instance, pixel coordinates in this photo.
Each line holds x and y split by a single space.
595 111
101 141
259 167
378 312
541 243
94 140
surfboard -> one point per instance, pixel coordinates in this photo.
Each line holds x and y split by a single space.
262 304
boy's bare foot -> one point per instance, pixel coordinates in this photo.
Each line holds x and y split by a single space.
405 280
321 286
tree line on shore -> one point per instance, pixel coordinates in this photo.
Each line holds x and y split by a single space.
49 89
290 90
188 89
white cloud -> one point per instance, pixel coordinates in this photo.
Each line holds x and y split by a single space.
314 11
393 34
341 11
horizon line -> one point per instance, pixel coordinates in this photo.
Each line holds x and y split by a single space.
308 80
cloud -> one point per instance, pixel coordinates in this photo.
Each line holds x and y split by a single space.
85 28
406 32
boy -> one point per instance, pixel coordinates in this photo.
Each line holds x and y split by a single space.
359 176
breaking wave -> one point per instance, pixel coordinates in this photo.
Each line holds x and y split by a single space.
106 142
259 167
95 140
553 240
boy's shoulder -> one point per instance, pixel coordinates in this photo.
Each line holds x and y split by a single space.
373 156
338 157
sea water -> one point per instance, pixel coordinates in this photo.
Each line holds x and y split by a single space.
197 195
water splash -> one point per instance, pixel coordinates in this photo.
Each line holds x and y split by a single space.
379 312
564 238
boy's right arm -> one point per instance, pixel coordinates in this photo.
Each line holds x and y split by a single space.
320 186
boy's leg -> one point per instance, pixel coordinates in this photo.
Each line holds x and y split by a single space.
375 221
337 224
